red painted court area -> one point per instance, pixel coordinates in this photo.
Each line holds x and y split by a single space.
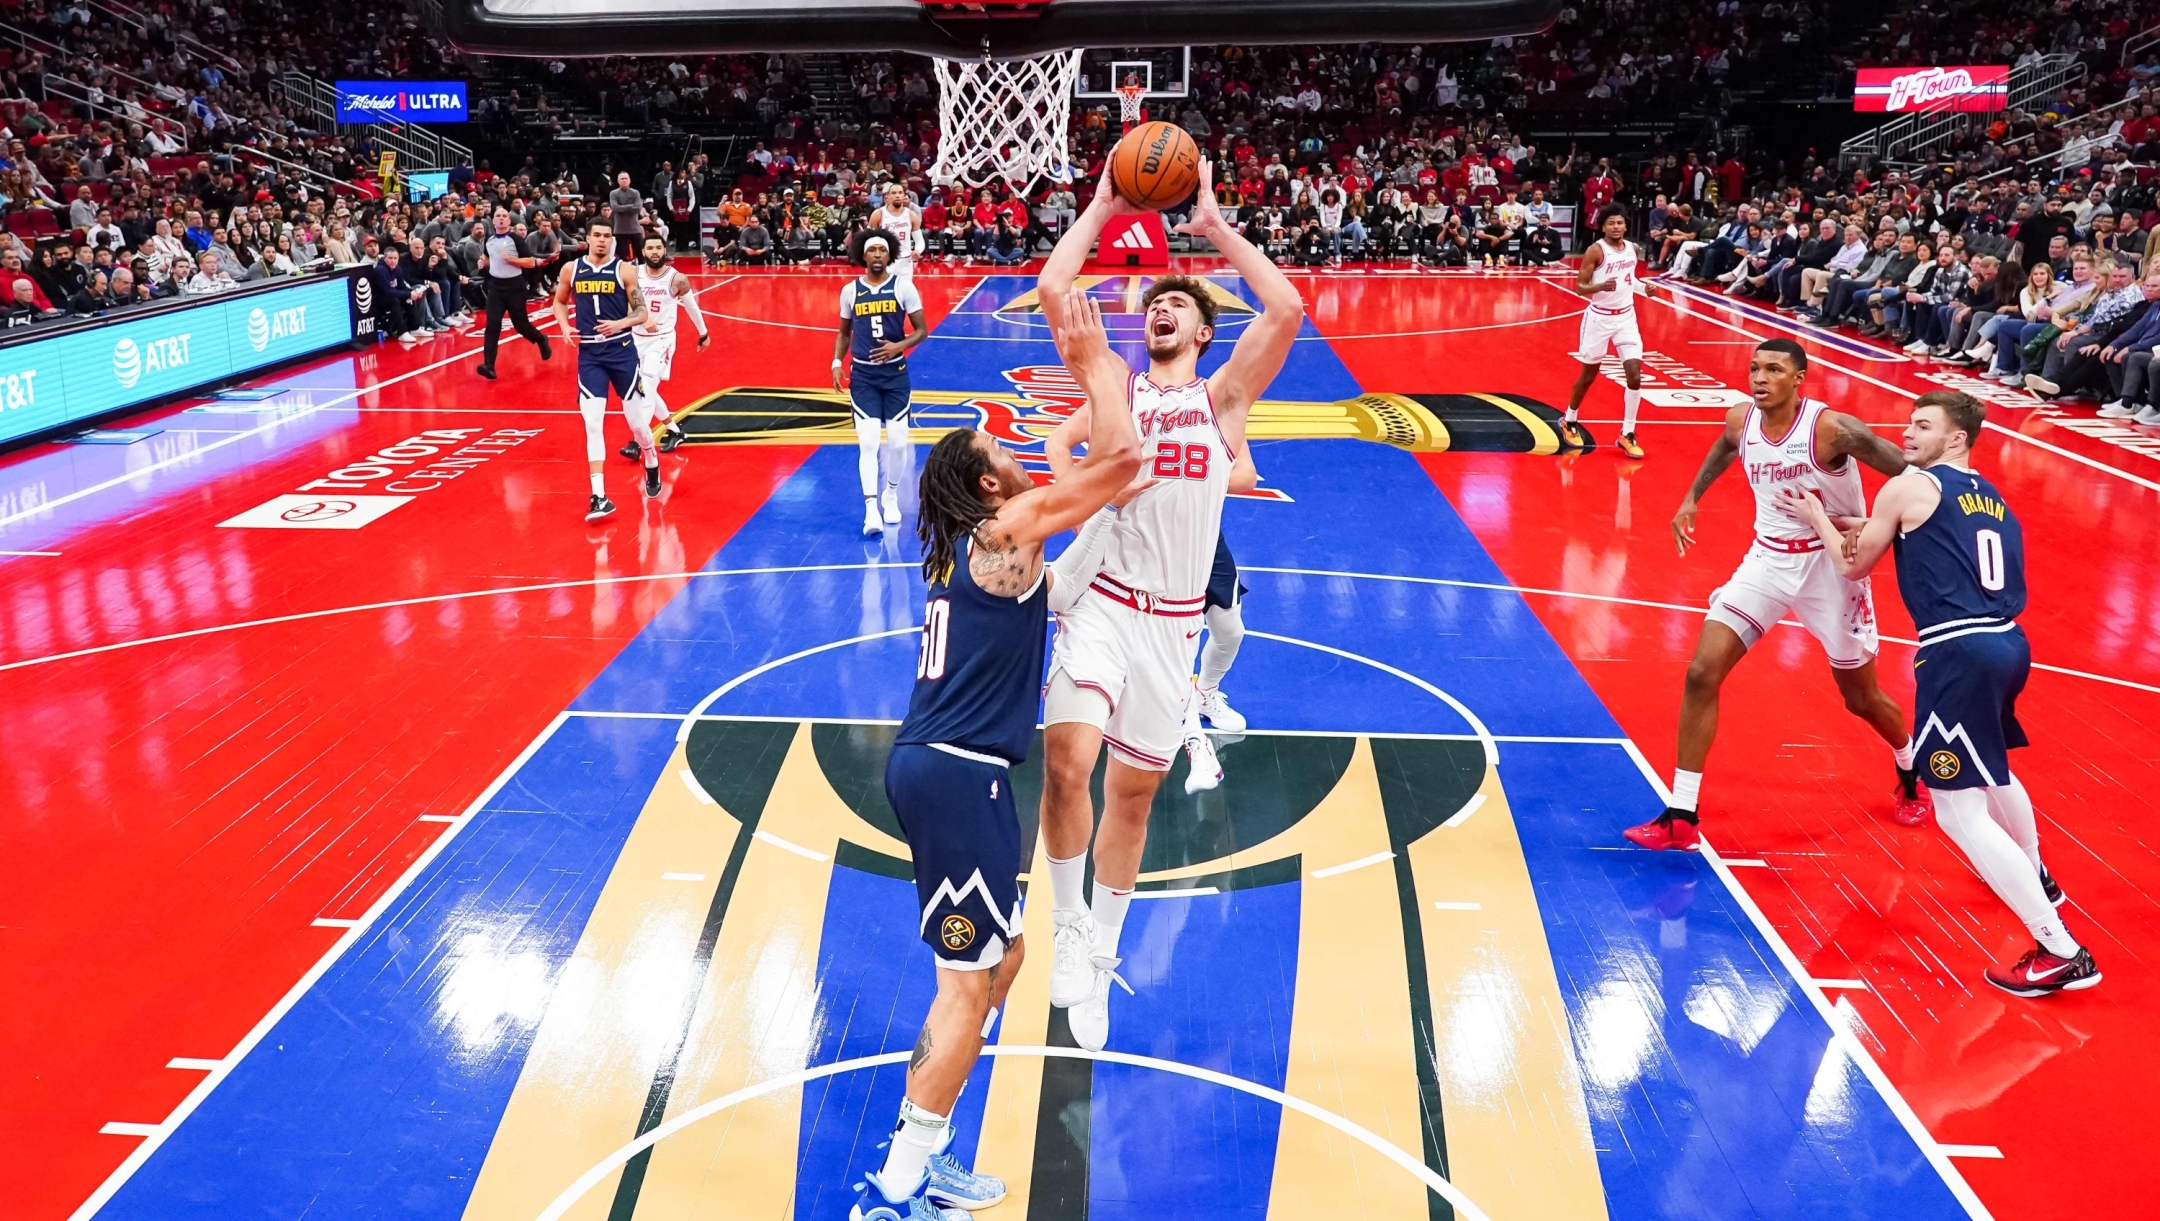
223 745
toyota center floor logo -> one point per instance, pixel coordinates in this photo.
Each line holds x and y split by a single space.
126 363
258 329
318 511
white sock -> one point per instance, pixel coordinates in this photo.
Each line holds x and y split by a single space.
1571 413
599 485
1633 400
1109 911
1193 728
1904 756
1066 877
914 1139
1686 789
866 454
1226 632
1963 816
2012 809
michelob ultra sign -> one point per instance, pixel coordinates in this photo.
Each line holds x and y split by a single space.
1966 87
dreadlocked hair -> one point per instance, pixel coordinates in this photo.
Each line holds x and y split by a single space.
951 501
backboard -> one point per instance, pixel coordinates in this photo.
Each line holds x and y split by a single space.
1164 72
955 28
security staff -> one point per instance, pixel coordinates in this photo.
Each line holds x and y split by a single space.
507 264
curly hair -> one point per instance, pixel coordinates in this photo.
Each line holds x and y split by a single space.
1191 286
950 491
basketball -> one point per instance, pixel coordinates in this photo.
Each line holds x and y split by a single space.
1155 165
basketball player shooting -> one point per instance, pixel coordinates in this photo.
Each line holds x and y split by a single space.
1784 443
969 723
1121 670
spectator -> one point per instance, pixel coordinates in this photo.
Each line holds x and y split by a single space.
400 295
208 278
625 210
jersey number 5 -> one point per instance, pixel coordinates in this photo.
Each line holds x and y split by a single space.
1175 461
1989 546
936 617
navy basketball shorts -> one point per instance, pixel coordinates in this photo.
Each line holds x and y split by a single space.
1965 710
879 395
964 833
1223 588
605 363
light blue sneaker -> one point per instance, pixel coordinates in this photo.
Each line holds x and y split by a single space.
955 1186
875 1203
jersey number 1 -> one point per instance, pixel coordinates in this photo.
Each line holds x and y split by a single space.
1989 546
1175 461
936 617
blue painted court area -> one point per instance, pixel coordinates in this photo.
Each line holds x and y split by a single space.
1714 1088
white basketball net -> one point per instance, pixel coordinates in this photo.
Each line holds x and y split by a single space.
1004 120
1132 103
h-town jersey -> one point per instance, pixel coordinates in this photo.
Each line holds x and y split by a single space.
1163 543
660 303
901 225
1618 266
1773 465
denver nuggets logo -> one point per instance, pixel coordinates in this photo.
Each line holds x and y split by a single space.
1944 765
957 932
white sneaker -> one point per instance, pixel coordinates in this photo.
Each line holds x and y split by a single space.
2016 381
1918 347
409 337
872 524
1206 771
1982 353
889 504
1073 944
1090 1019
2151 415
1219 713
2117 410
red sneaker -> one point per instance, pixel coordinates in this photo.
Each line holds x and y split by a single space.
1912 811
2039 973
1674 829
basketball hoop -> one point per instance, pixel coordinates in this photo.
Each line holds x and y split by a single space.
1004 120
1132 102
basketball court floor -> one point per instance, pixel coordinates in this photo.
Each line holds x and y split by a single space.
462 860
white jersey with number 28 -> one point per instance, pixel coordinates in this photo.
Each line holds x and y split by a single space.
1164 541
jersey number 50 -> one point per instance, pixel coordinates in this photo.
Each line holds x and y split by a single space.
1175 461
937 615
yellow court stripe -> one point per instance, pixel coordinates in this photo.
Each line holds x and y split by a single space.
757 1017
597 1048
1351 1045
1006 1147
1518 1128
1544 440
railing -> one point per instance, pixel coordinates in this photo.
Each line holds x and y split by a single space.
417 147
2137 43
23 40
111 107
1912 135
128 15
329 184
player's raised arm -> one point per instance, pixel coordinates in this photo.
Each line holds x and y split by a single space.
1244 475
1058 446
1113 457
1062 268
1850 435
1265 345
1722 453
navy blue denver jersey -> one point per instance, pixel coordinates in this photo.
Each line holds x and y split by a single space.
599 296
1966 562
978 678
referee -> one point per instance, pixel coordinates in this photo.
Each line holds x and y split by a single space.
507 263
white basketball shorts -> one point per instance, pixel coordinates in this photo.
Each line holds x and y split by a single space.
656 356
1601 331
1770 585
1141 665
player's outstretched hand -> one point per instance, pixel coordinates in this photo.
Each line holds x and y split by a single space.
1207 217
1107 200
1804 506
1084 338
1141 483
1683 526
704 341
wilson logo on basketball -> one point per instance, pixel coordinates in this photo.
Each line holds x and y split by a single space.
1158 148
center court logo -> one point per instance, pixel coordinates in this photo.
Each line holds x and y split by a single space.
126 363
258 329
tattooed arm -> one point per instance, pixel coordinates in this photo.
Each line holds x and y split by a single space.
632 294
1722 453
1838 433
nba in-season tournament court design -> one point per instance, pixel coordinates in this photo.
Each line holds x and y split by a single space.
953 619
